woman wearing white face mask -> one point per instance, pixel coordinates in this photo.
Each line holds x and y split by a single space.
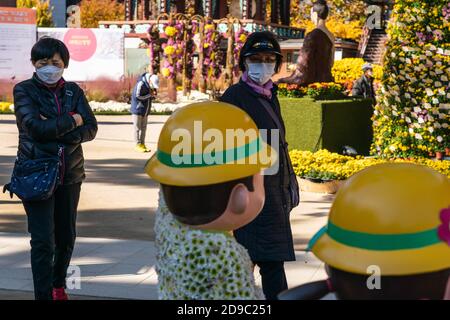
54 119
268 238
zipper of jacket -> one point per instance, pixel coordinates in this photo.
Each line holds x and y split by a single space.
61 148
62 164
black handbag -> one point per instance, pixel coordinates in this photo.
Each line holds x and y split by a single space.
35 179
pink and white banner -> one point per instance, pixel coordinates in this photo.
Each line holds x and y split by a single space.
17 37
94 53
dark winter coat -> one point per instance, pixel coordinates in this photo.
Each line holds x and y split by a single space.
363 87
269 236
40 138
142 96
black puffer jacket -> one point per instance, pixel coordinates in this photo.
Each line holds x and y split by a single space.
40 138
269 236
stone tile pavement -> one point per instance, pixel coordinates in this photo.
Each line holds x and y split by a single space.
111 268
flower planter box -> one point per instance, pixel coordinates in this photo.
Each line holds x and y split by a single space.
317 186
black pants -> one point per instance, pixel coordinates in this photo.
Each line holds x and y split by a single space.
51 224
273 278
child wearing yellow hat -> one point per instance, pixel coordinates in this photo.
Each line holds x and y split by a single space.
207 190
388 237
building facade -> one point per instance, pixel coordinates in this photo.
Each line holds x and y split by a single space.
216 9
7 3
253 15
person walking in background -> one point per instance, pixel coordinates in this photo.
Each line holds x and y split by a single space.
268 238
144 92
54 119
363 87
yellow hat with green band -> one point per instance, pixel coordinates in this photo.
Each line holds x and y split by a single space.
392 216
208 143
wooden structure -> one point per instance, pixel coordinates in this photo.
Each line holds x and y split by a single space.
140 14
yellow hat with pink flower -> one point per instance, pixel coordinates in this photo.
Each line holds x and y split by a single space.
395 216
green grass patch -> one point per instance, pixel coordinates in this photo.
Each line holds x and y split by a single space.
313 125
109 113
127 113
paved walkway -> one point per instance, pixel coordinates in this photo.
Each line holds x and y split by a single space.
116 192
111 268
116 215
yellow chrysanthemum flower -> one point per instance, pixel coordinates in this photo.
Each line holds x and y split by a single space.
169 50
165 72
170 31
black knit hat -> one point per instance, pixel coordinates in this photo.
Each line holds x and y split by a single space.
257 42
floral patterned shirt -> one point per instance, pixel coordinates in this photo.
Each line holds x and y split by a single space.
196 264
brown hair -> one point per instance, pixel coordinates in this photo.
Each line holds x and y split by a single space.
201 204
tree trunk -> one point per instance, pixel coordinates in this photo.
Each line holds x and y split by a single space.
172 90
186 80
200 77
230 55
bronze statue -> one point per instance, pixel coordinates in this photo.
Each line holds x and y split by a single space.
316 57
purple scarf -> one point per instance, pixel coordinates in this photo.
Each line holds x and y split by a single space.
265 90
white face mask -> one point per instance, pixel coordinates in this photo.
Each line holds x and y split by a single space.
50 74
261 72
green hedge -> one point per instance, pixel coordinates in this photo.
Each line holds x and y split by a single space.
313 125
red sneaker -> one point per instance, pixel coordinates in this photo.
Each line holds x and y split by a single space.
59 294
